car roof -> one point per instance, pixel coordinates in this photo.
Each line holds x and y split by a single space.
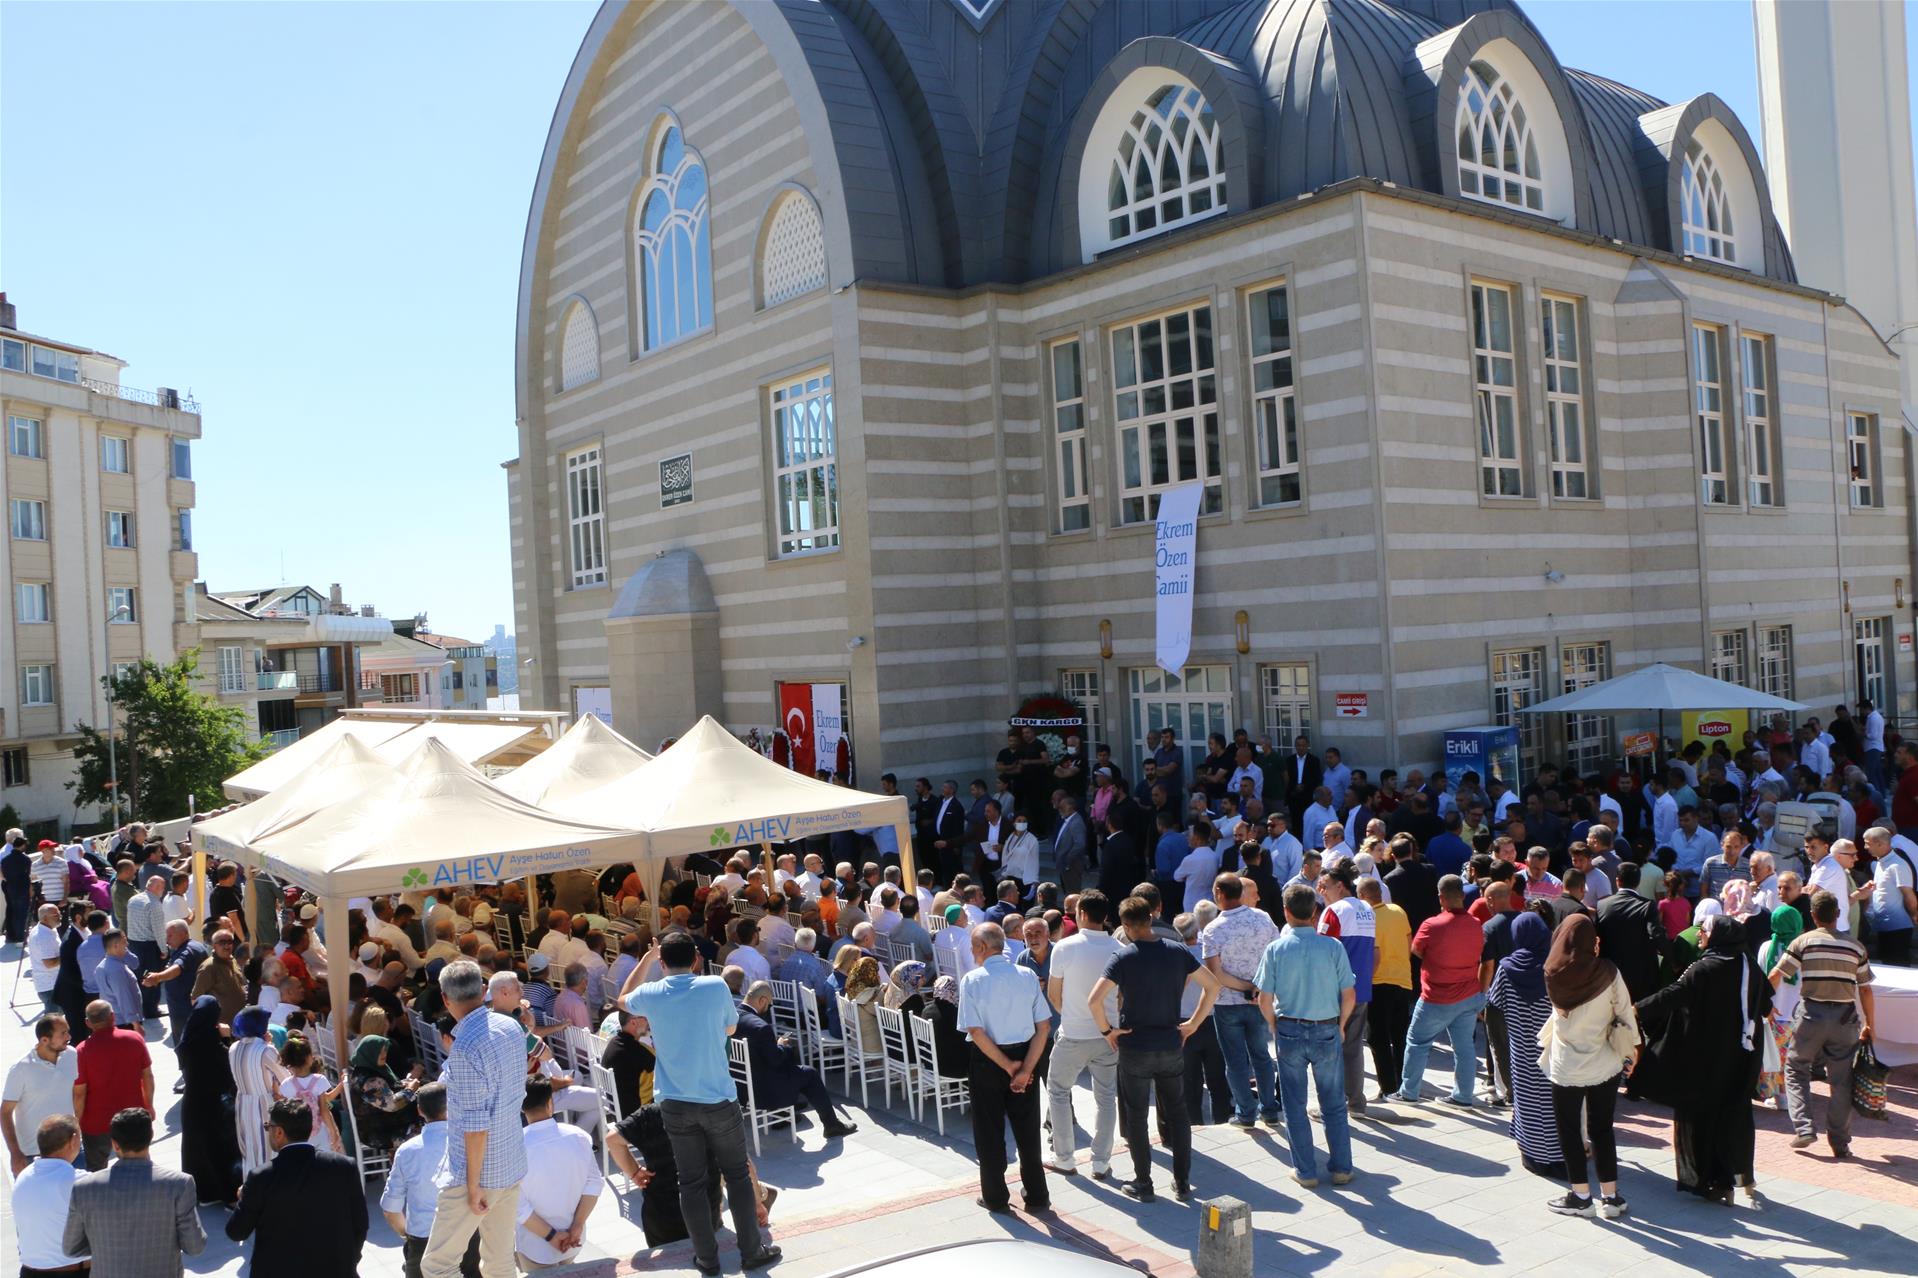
959 1260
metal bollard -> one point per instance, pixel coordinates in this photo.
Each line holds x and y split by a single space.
1225 1239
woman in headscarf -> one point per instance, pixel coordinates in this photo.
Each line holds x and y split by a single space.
1690 943
382 1103
1518 991
1590 1035
1702 1058
950 1044
257 1075
1734 896
82 881
862 991
209 1148
906 987
68 988
1786 925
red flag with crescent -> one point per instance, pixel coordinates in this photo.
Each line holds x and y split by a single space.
795 720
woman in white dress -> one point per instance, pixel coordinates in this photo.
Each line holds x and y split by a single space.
257 1075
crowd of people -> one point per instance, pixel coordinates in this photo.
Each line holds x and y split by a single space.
1225 947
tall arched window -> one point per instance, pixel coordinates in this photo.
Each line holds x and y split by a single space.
578 348
1498 158
672 244
1707 213
1166 167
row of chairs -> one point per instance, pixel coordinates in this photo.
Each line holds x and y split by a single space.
905 1054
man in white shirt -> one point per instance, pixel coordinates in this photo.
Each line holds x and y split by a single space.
1337 777
885 911
43 952
810 876
42 1193
1664 813
1504 799
775 930
1874 743
1321 814
1831 872
954 939
562 1183
1333 843
39 1085
1198 869
391 937
1078 963
1813 752
975 905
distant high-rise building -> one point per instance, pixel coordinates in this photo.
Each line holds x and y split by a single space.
503 646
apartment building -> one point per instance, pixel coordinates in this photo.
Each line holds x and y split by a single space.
474 672
288 657
99 562
1496 375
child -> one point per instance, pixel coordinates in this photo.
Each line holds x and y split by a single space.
309 1085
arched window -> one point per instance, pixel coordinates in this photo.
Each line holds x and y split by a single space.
1707 213
1497 152
1165 168
578 348
672 244
792 255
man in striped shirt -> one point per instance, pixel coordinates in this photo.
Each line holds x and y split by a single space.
50 873
1834 1013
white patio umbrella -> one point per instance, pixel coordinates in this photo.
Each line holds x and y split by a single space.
1661 687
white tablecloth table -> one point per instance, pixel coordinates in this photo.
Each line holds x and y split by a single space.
1894 1025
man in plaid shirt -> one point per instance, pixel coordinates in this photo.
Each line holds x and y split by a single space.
485 1158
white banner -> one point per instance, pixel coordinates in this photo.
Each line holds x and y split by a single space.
1175 548
826 725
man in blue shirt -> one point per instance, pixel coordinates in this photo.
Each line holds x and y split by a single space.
92 950
1693 843
1167 854
691 1018
1449 852
1306 991
1003 1009
118 986
409 1197
804 967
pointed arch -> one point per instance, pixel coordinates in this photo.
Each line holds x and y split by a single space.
670 240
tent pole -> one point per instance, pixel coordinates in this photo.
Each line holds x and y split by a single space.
532 901
198 915
908 872
339 969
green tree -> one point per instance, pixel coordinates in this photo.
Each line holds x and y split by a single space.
172 742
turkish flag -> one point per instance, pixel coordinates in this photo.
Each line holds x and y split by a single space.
795 718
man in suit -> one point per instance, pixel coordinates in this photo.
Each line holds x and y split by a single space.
948 831
779 1079
1630 934
282 1201
925 822
1118 857
1303 774
1069 844
135 1219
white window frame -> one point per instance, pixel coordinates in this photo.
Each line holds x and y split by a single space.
1518 680
1149 184
1588 737
120 529
1489 107
1868 650
36 685
1501 430
1708 415
121 669
1194 703
32 603
1775 664
15 769
1286 701
657 250
1072 494
1136 421
1730 657
233 671
1278 438
27 519
1082 687
116 454
26 436
1861 460
129 596
1567 422
586 518
1759 400
1706 208
805 442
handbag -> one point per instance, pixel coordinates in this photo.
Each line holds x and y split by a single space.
1868 1075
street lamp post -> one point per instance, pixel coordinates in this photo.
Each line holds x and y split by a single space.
113 753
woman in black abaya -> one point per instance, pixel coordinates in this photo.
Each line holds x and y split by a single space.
1702 1056
209 1149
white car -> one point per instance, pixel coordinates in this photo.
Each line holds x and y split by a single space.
999 1255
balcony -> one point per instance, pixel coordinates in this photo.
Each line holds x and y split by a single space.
298 681
400 699
279 740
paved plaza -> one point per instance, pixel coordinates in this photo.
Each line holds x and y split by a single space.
1438 1191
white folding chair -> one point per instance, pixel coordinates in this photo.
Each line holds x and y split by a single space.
328 1050
943 1090
786 1013
426 1041
935 923
370 1162
859 1054
823 1051
945 962
608 1089
895 1045
760 1120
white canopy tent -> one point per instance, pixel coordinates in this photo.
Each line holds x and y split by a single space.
433 822
475 736
280 767
709 790
1661 687
588 756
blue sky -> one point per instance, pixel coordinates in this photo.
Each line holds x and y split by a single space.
310 215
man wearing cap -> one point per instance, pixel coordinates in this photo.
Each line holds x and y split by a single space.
954 939
540 994
49 870
220 976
